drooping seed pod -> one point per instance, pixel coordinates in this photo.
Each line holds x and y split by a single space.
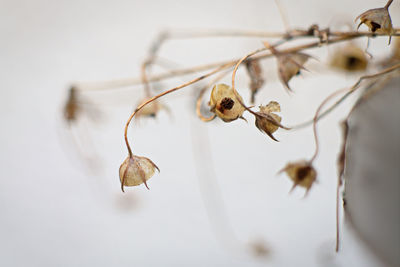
290 65
224 104
349 58
378 20
72 108
302 173
254 71
135 171
265 125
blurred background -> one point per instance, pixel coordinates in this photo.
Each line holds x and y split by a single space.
218 200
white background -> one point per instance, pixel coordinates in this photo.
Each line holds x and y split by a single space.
55 210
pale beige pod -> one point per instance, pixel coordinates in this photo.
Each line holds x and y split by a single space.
136 170
225 104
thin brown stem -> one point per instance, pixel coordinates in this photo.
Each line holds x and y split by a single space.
315 120
283 14
388 4
165 93
345 96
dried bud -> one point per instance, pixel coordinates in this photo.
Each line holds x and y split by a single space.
264 124
301 173
290 65
224 104
135 171
350 58
72 108
378 20
255 73
150 110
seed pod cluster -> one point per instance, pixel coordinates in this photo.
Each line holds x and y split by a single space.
263 123
224 104
135 171
350 58
302 173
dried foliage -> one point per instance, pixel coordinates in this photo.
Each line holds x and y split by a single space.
226 103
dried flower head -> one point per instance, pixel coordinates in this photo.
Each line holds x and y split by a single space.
72 108
290 65
302 173
135 171
378 20
224 104
350 58
265 125
256 79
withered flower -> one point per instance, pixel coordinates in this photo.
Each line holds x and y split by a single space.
254 71
265 125
224 104
290 65
135 171
350 58
302 173
72 108
378 20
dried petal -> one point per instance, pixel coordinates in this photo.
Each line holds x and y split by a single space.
350 58
302 173
290 65
378 20
255 73
135 171
224 104
264 124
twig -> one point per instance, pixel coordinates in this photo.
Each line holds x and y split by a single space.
121 83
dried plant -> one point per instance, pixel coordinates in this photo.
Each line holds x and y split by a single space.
226 103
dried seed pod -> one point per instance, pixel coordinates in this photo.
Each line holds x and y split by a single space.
302 173
150 110
350 58
135 171
72 108
224 104
255 73
378 20
290 65
265 125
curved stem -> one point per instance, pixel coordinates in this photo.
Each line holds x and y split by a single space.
165 93
315 120
350 91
